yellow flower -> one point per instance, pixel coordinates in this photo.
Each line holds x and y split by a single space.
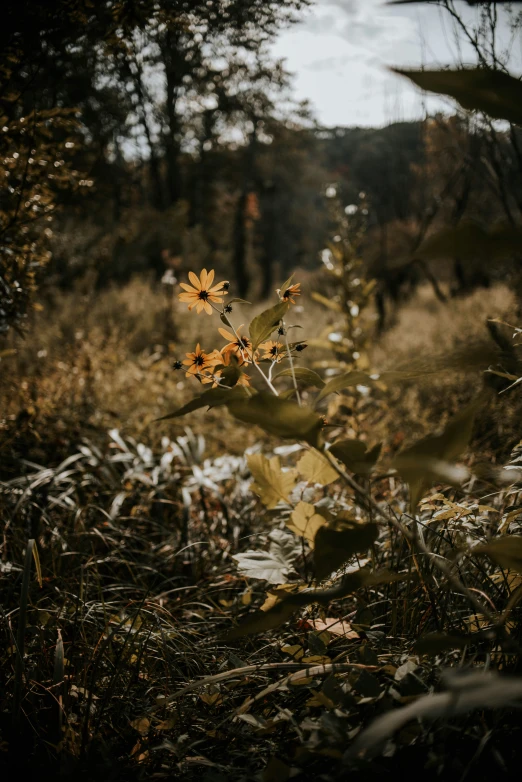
199 294
238 346
200 362
293 290
224 357
214 378
274 351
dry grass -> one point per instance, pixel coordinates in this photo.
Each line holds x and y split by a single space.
136 543
108 354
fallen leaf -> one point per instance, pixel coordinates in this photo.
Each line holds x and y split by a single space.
334 627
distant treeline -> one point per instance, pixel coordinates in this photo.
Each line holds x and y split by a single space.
147 136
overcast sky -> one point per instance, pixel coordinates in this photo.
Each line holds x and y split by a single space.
339 54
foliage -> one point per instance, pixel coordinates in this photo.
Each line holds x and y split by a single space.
176 552
134 577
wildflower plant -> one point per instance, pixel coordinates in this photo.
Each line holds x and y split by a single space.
285 399
352 290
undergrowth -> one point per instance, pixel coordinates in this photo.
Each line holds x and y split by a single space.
127 671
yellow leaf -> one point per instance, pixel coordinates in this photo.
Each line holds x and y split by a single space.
298 682
273 597
270 482
316 659
304 521
211 699
445 514
296 652
166 724
246 597
141 724
320 699
431 460
316 468
334 627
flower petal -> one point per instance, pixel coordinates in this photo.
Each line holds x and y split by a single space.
210 279
208 308
189 288
194 280
227 335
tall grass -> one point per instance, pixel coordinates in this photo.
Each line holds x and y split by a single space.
136 526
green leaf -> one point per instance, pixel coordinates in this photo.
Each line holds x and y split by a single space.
467 691
280 417
289 603
288 394
211 398
344 381
354 455
482 89
367 685
307 376
316 468
421 463
223 318
506 551
305 521
284 287
262 621
264 324
336 543
271 483
436 643
230 374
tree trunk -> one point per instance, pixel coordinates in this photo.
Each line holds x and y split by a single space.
239 262
240 228
173 74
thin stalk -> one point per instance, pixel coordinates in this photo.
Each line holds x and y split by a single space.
251 355
291 361
20 637
439 562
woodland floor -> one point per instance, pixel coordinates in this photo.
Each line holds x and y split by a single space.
137 524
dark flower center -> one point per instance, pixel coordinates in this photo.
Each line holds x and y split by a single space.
243 343
287 294
199 361
203 295
273 350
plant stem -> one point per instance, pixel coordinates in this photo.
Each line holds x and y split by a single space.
414 539
251 355
291 360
